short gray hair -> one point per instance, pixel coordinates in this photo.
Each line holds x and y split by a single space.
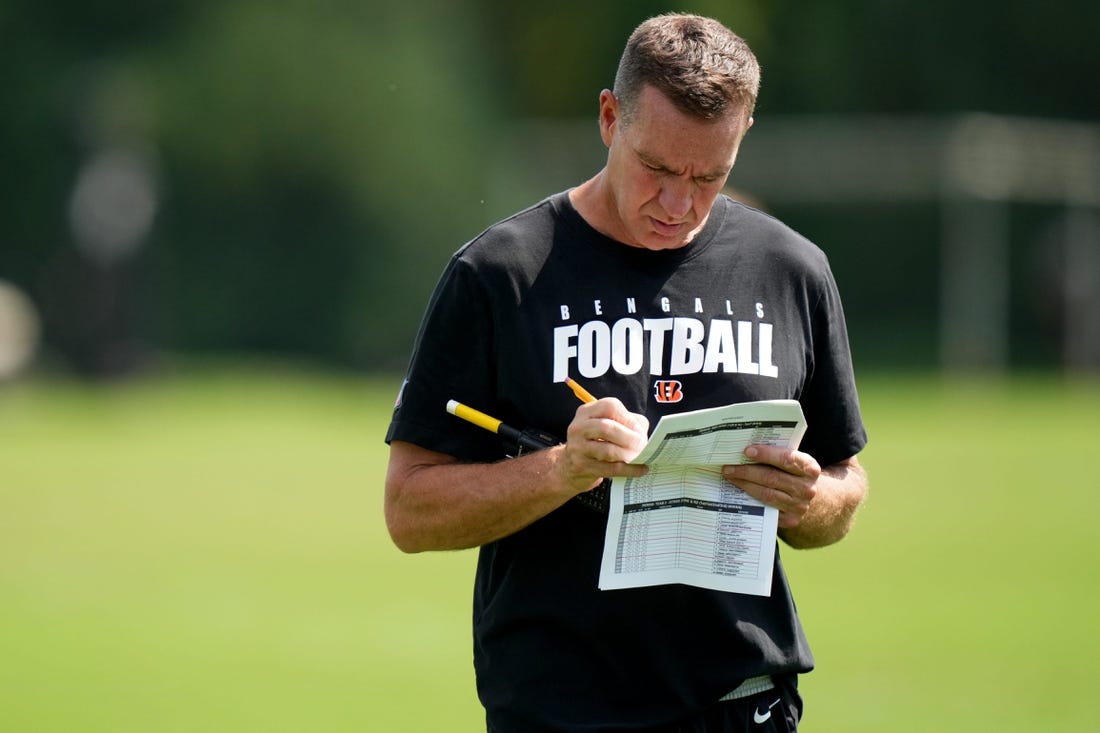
703 67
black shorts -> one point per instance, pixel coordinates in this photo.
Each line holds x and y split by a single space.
773 711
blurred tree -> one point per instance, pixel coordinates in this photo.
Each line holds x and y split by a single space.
318 159
906 57
349 137
552 60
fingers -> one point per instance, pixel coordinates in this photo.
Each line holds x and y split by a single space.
606 431
782 478
603 437
789 461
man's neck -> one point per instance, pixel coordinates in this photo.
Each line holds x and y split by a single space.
592 201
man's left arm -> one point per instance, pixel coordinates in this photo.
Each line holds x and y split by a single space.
817 506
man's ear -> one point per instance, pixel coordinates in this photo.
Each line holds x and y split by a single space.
609 116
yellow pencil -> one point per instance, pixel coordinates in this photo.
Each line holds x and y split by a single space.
530 440
477 417
582 394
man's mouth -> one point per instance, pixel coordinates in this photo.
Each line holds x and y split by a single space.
666 230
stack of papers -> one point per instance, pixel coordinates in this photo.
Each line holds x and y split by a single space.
682 522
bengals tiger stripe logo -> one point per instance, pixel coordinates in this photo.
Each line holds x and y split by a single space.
668 390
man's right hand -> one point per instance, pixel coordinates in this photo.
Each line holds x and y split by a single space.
603 437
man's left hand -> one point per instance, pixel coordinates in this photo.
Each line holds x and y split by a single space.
779 477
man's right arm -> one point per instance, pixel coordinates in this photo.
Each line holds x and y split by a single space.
435 502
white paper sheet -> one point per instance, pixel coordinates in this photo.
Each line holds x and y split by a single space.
682 522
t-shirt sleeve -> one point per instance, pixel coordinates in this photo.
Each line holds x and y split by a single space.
835 429
450 361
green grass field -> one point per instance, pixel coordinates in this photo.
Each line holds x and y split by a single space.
208 553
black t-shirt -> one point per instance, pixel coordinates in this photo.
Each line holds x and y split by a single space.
747 311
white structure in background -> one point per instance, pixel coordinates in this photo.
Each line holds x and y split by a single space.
19 331
98 302
973 167
991 162
113 204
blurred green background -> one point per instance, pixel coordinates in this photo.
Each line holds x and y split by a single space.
208 553
220 222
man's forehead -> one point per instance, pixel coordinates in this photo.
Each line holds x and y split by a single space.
707 150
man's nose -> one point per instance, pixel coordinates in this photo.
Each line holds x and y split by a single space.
676 196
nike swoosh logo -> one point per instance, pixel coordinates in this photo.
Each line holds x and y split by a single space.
763 716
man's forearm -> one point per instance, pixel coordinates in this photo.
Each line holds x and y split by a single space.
432 505
841 490
434 502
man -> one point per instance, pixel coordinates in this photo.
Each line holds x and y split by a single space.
598 283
